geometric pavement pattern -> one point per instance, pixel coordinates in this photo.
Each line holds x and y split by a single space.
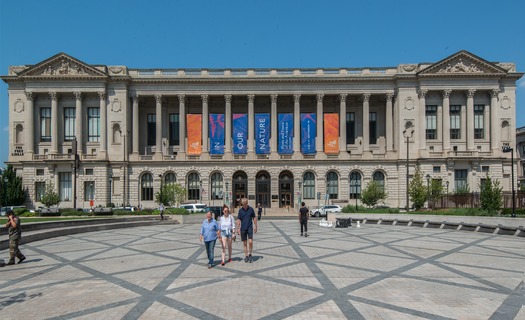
372 272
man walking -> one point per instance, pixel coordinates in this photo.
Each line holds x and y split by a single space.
303 219
15 234
246 227
161 209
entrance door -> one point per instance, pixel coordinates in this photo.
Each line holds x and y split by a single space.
262 189
286 190
240 188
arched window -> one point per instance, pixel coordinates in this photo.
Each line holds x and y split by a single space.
146 187
379 177
170 178
308 185
193 186
216 186
355 185
332 185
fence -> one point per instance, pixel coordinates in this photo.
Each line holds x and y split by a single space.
472 200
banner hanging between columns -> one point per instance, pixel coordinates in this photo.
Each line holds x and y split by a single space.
194 125
240 133
308 132
331 133
216 128
262 133
285 133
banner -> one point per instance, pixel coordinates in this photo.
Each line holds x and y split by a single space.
285 132
194 125
262 133
331 133
240 133
308 132
216 128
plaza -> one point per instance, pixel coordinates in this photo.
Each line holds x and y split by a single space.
371 272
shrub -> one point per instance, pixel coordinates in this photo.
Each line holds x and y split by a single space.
72 213
50 213
102 213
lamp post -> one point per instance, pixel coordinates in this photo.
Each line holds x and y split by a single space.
354 182
91 202
110 183
447 192
160 191
428 190
227 194
300 193
200 191
408 134
507 149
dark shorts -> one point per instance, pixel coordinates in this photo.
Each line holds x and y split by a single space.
246 234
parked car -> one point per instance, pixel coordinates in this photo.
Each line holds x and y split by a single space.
194 207
324 210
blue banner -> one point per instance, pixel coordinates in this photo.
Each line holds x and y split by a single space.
240 133
308 132
216 128
262 133
285 132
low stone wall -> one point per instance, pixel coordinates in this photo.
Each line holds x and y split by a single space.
189 218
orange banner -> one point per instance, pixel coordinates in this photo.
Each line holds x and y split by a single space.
331 133
194 125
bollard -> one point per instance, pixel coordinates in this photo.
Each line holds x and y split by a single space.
358 224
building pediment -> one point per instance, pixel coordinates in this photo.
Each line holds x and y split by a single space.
462 63
62 65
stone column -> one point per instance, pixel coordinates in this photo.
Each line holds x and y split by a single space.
205 114
342 125
54 122
273 124
30 125
422 113
296 126
181 155
470 119
389 122
397 123
319 145
494 122
135 120
103 124
251 129
158 126
366 122
446 120
79 117
228 126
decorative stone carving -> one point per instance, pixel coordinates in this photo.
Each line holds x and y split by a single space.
19 105
228 98
460 67
342 97
366 97
470 93
273 98
509 67
65 68
78 95
117 70
446 94
505 102
409 103
29 95
204 98
251 98
14 70
422 93
409 67
102 95
116 105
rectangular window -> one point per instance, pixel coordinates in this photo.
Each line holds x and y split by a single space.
431 122
174 129
436 169
350 128
89 190
116 187
40 189
69 124
455 122
93 124
45 125
479 121
64 186
460 179
152 129
485 169
373 127
89 172
39 172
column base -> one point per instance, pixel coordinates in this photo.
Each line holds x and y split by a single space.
320 156
274 155
228 156
205 156
367 154
344 155
251 155
297 155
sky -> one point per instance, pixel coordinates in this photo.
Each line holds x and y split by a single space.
258 34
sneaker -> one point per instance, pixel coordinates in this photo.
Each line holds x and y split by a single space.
21 259
209 266
301 234
229 260
11 262
250 258
246 259
222 263
306 235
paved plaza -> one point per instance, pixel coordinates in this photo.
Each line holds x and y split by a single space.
372 272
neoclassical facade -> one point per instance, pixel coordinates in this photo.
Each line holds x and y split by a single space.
275 136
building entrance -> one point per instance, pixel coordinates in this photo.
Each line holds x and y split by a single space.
286 190
262 189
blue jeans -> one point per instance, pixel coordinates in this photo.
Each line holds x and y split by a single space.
210 250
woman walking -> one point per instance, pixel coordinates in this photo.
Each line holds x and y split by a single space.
227 227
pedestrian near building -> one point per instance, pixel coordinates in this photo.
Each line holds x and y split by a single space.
15 235
161 209
259 211
209 233
227 227
246 227
303 219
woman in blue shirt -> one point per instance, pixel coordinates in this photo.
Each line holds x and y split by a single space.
209 233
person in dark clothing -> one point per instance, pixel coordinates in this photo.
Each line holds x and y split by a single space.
303 219
15 234
246 227
259 211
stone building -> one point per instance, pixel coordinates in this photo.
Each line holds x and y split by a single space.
275 136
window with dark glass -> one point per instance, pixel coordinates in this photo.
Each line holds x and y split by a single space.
308 185
193 186
174 129
216 186
460 178
152 129
355 185
479 121
146 187
64 186
379 177
40 189
350 128
455 122
436 169
89 190
332 185
170 178
69 124
93 124
45 125
373 127
431 122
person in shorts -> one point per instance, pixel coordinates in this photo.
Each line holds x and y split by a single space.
303 219
246 227
15 235
227 227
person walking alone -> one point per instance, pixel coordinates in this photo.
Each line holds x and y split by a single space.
246 227
303 219
161 209
15 235
209 233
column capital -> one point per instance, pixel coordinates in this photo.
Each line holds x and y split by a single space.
389 96
494 93
251 98
228 98
470 93
78 95
366 97
102 95
29 95
273 97
134 97
158 98
320 97
182 98
342 97
53 95
297 98
446 93
422 93
204 98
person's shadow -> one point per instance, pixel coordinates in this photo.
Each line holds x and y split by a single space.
3 264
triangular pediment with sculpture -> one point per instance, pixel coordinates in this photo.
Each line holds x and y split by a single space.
462 63
62 65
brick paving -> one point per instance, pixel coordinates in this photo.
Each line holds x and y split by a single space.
372 272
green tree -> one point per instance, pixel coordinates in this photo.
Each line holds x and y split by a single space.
462 195
180 194
490 195
50 196
417 191
372 193
166 195
13 193
436 190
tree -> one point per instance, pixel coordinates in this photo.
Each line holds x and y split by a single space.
180 194
166 195
372 193
436 190
12 192
490 195
50 197
462 195
417 191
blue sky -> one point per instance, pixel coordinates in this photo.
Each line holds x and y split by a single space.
258 34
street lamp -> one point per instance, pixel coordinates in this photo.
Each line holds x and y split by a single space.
354 182
110 183
160 191
200 191
91 197
408 134
300 193
507 149
447 191
428 190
